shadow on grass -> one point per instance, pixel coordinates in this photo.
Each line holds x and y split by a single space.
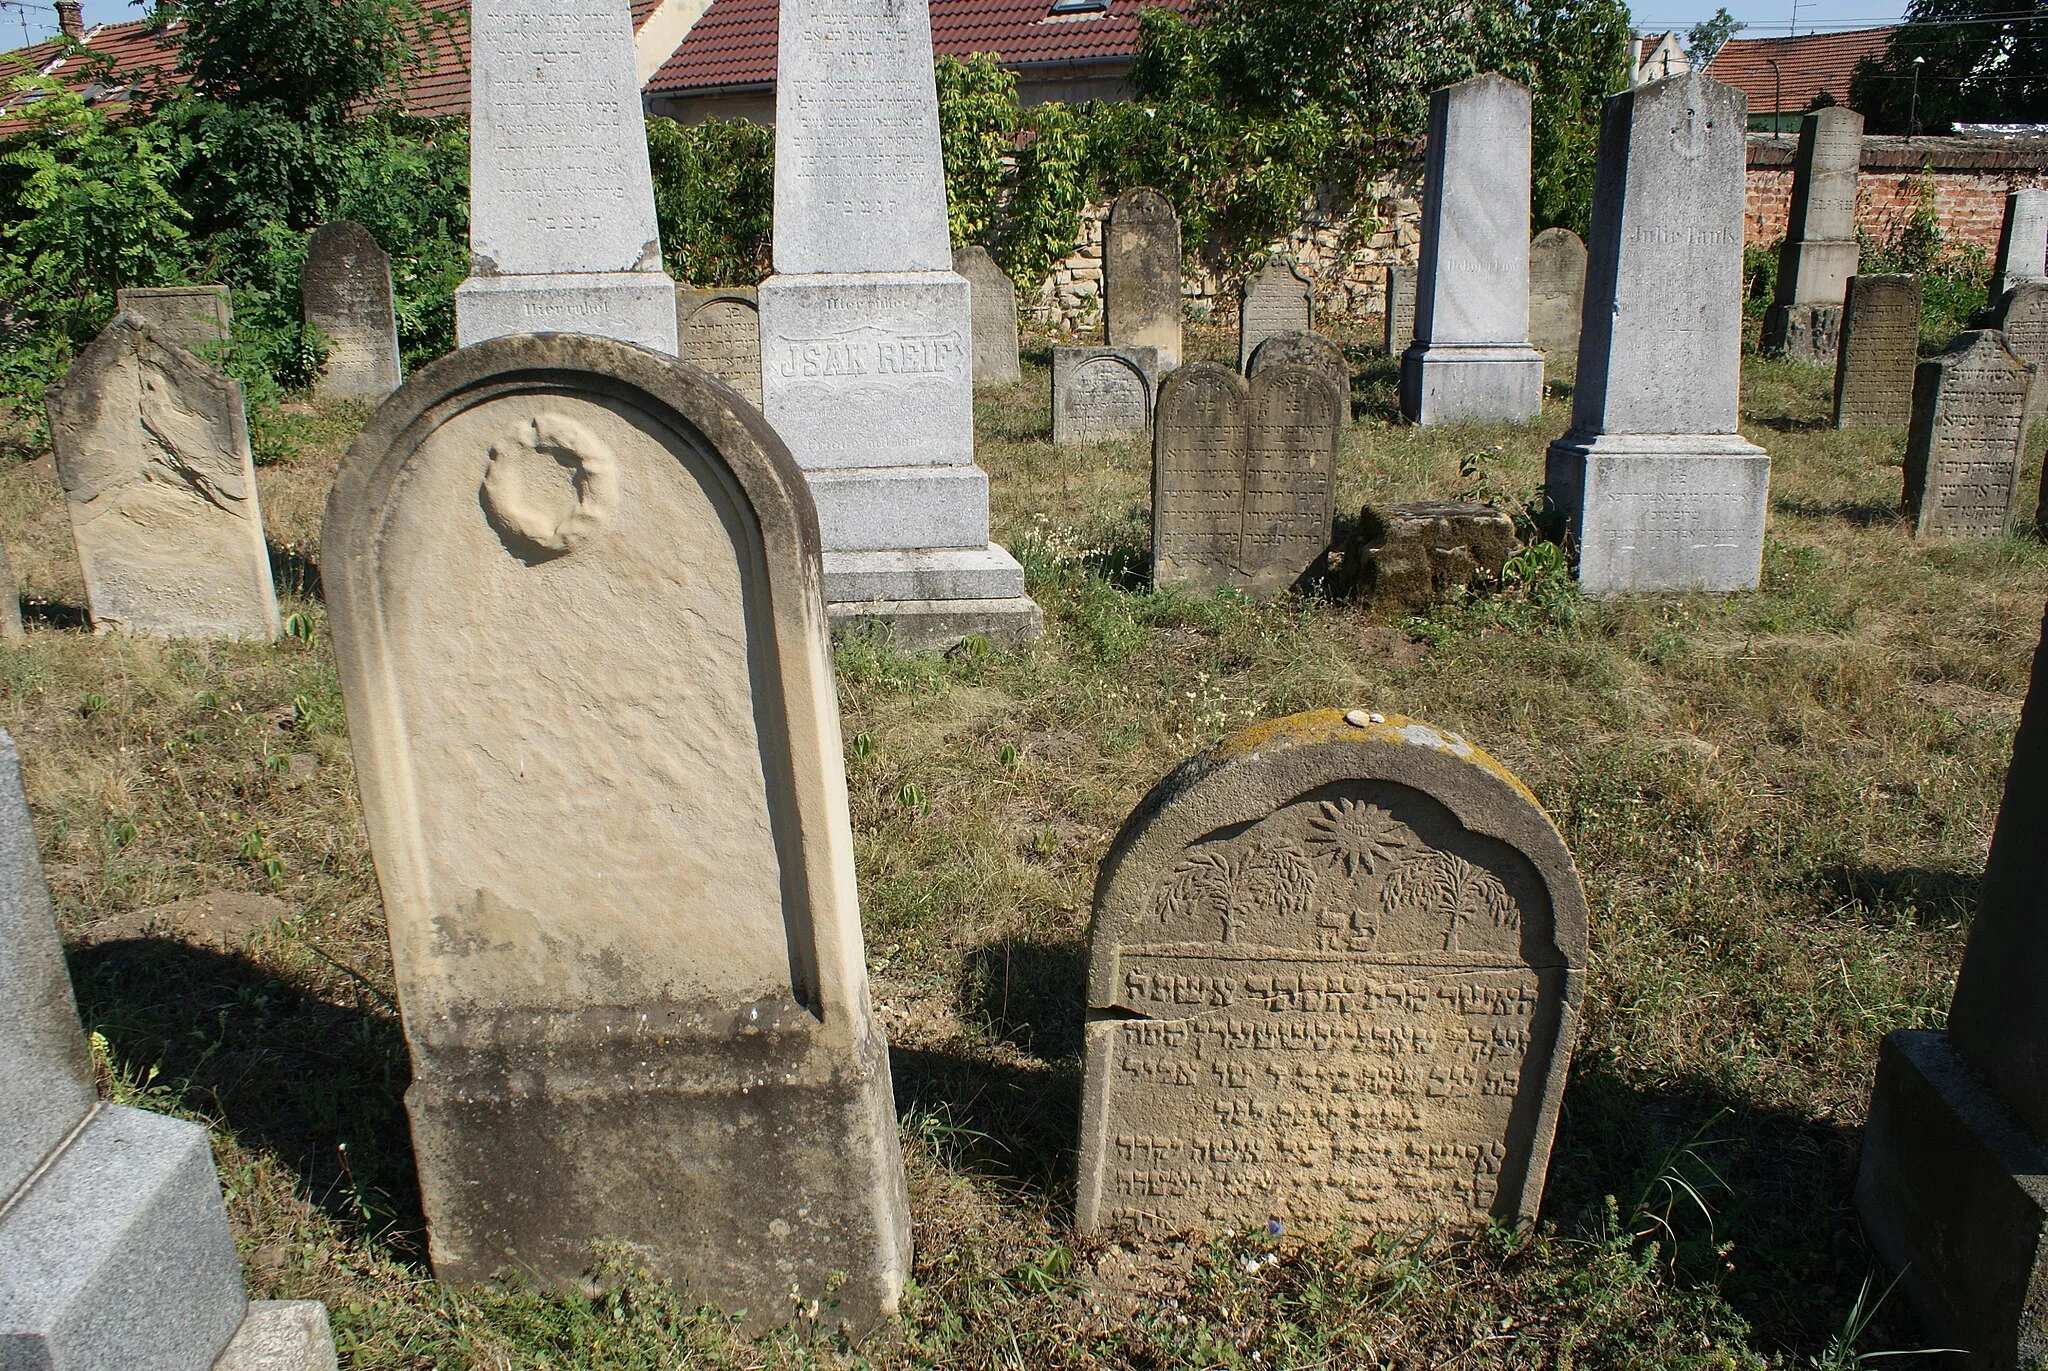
1861 513
1785 423
55 614
1014 1124
278 1067
296 571
1930 898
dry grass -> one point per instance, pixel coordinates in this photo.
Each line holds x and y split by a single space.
1779 803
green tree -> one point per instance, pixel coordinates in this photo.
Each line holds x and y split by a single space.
714 198
1578 50
1979 61
1704 40
978 121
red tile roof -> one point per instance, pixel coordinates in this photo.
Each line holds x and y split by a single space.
1807 65
734 43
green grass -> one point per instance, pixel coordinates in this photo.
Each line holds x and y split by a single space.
1779 802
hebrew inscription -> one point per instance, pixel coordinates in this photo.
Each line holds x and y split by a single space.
1963 454
1346 1008
1099 396
1879 348
720 332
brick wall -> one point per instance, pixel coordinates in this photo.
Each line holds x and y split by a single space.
1970 177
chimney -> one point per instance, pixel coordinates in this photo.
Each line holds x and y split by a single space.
71 19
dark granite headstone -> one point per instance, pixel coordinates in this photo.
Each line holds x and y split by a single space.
1879 348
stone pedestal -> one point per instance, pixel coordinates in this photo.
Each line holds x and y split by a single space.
1663 512
562 234
1804 333
1820 251
1660 490
867 333
1471 361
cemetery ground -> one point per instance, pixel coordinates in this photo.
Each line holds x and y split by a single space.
1779 802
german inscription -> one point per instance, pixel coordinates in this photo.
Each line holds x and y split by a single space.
1333 971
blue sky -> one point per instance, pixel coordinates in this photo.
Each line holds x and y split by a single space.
1764 19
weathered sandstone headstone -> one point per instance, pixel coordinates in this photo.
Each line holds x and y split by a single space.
1661 491
1820 252
718 331
1470 361
1275 299
2022 316
1557 292
1102 394
1953 1186
152 447
995 317
1333 979
1417 554
10 599
1313 351
1880 346
867 333
1141 275
345 292
562 235
196 318
1242 477
1963 451
114 1248
1398 310
2022 242
576 606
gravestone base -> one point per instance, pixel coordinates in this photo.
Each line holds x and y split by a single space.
936 625
1451 384
119 1254
947 573
631 306
1804 333
699 1150
1953 1192
281 1335
1657 512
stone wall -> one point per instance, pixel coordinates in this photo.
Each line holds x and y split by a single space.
1970 178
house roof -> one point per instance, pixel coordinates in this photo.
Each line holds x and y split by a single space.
734 43
1807 65
140 59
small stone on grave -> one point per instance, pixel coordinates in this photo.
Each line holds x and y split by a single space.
718 331
1557 292
1348 938
1275 299
1313 351
345 293
1102 395
1417 554
1141 274
196 318
1879 348
152 448
578 615
995 317
1963 450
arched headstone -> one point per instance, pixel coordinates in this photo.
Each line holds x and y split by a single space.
1276 299
718 330
1313 351
345 292
1333 978
1141 274
576 603
1102 394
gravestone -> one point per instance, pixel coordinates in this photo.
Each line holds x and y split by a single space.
1470 361
115 1251
1141 274
1275 299
152 448
2022 242
867 333
1417 554
718 331
995 317
345 292
1661 491
10 599
1242 477
195 318
1879 348
1315 352
576 606
1102 394
1820 252
1557 292
562 235
1333 979
1397 307
1963 450
2022 316
1953 1184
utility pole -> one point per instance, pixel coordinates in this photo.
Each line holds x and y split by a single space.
1777 96
1913 114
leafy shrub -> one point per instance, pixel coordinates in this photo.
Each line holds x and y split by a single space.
714 198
